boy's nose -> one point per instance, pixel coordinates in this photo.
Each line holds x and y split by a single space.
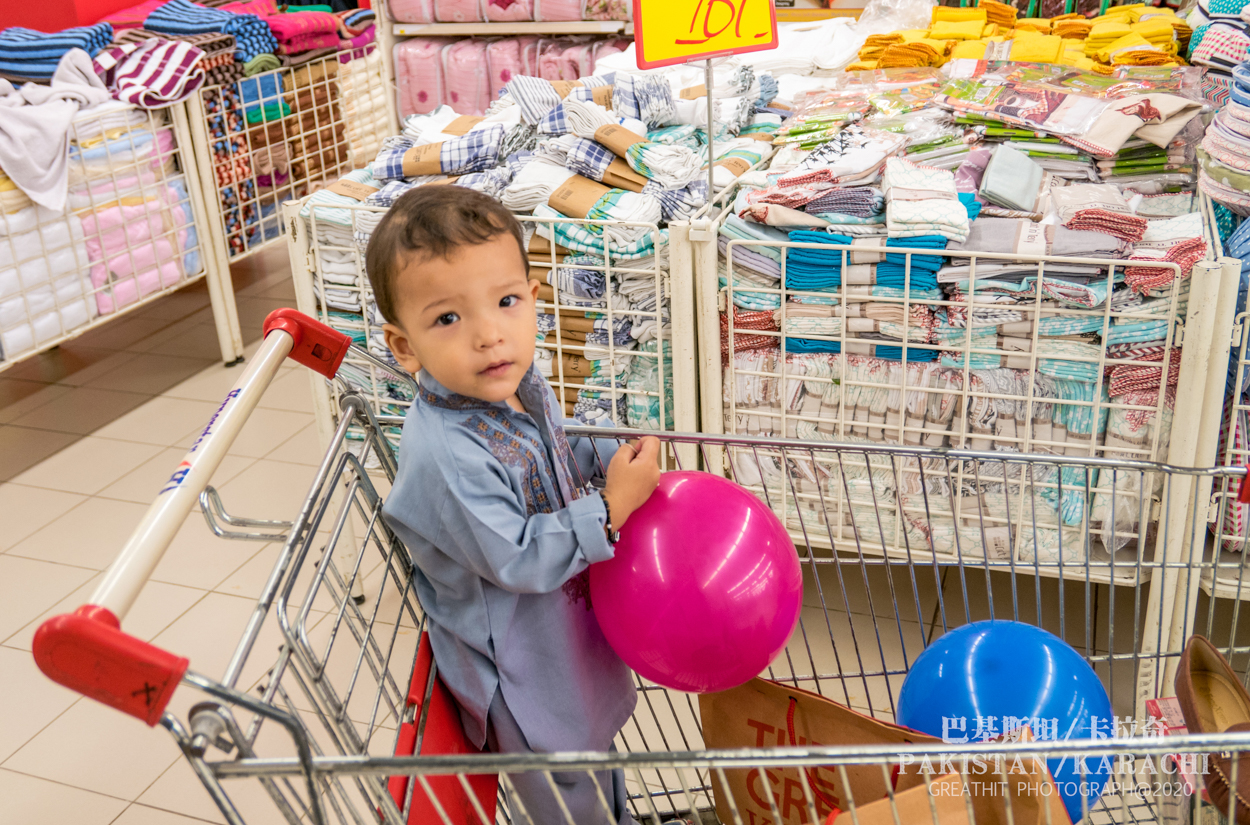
488 335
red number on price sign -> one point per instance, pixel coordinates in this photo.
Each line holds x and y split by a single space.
679 32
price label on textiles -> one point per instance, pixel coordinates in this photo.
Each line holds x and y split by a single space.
680 31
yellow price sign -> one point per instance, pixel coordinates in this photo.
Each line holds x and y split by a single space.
679 31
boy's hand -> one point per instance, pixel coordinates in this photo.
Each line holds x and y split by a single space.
633 474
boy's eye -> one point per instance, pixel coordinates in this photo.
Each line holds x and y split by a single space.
510 301
446 319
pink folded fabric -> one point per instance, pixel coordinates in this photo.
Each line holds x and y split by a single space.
554 10
576 61
359 41
467 84
603 48
419 76
127 290
293 25
309 42
412 11
458 11
549 53
504 11
113 230
505 59
260 8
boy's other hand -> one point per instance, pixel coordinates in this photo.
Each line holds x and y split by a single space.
633 474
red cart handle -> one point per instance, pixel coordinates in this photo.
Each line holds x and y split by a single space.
1243 493
319 347
87 651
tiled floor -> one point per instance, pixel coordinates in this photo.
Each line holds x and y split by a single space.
90 431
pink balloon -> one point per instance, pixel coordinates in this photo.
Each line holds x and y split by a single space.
705 587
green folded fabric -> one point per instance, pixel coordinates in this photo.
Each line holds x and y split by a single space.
1011 180
275 110
261 63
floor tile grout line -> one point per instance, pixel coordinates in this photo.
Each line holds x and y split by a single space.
35 735
138 804
62 784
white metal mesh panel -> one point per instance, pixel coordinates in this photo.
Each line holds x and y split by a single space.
862 358
1226 573
279 135
609 360
128 234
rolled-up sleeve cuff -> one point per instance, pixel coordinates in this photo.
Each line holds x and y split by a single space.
589 516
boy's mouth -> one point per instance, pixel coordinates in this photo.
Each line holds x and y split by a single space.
496 370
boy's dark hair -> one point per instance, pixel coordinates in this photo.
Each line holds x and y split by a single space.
432 221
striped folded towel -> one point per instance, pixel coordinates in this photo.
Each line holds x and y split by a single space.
252 36
27 53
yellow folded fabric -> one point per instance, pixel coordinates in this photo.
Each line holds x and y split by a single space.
1037 24
1119 12
876 44
862 66
1129 42
969 50
1072 29
953 14
965 30
1044 49
910 56
1104 34
1144 58
913 35
1156 29
1000 13
991 30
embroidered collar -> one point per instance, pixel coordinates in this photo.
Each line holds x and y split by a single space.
530 392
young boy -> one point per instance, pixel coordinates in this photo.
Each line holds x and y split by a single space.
490 504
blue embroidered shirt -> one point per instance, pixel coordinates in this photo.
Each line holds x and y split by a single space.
487 501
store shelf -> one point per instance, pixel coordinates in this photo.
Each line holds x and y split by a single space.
510 29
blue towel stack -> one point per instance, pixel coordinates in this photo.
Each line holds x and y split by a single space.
886 352
252 36
28 54
821 270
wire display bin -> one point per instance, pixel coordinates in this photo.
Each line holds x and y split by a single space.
132 230
627 358
278 135
328 729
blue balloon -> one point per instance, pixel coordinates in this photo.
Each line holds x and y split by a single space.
982 672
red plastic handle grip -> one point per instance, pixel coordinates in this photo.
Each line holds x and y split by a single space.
1243 492
317 346
86 651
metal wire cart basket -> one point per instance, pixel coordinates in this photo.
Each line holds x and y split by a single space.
894 554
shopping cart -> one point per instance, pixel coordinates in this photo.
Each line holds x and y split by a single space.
328 731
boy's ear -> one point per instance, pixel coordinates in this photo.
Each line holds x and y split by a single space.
534 286
401 347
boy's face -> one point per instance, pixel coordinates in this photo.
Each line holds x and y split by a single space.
469 320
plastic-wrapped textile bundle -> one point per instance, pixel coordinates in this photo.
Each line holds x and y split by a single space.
549 53
458 11
466 82
549 11
419 74
506 59
412 11
507 11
